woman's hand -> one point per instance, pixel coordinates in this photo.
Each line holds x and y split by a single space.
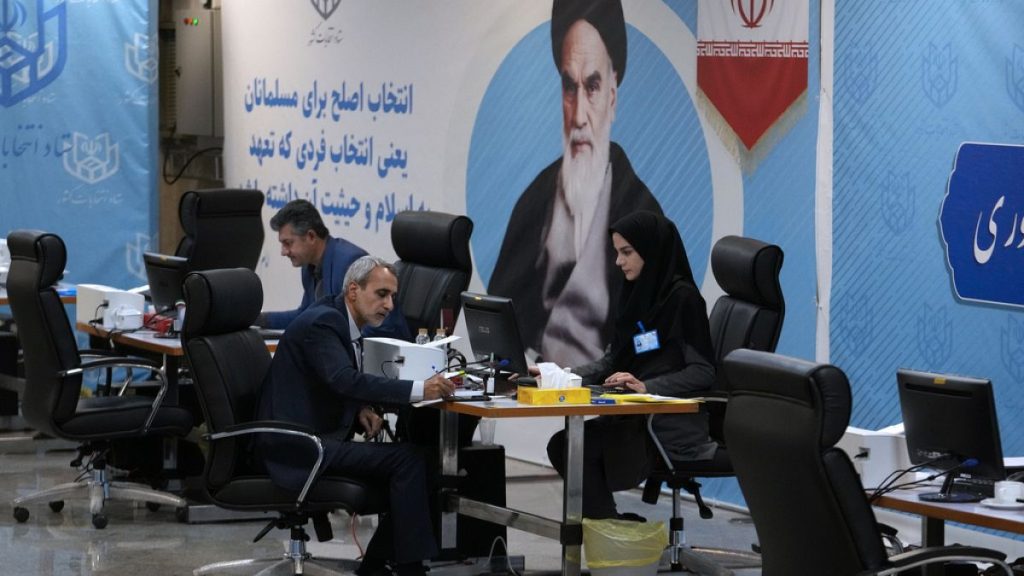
625 380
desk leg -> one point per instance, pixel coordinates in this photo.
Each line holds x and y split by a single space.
449 451
572 495
933 533
175 480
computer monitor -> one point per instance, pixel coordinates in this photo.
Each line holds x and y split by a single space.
950 424
493 331
166 274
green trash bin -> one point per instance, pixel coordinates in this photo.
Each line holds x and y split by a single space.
621 547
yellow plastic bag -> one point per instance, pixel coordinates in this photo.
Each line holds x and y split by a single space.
623 544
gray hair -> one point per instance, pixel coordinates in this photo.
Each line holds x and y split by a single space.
359 271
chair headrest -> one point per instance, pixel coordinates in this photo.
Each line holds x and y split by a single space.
820 386
748 269
43 247
221 301
433 239
217 201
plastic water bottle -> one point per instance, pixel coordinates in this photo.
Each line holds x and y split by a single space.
179 318
439 335
422 337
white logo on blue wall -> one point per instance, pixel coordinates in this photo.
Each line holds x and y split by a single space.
1015 76
140 57
861 75
133 254
33 48
1011 349
897 201
325 7
939 74
92 160
934 335
858 329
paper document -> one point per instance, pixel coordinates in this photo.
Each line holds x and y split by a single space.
442 342
650 398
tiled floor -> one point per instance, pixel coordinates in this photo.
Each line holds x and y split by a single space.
140 542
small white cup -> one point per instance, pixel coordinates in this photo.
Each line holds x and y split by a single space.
1008 492
486 428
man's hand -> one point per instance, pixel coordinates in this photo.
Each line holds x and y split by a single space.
371 422
437 387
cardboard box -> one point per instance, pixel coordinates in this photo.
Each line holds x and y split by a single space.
531 395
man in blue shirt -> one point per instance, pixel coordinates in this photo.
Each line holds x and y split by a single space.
324 260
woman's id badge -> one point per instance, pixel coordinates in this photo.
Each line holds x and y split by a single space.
645 341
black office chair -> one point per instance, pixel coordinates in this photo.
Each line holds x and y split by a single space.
748 315
809 508
223 228
434 267
54 368
228 361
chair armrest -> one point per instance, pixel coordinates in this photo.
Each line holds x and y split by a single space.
714 396
120 360
279 427
279 424
128 362
97 352
933 555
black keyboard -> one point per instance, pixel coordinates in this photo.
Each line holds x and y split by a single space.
984 487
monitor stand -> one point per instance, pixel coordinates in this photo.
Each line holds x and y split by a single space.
949 495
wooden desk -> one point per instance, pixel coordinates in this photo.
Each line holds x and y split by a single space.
149 341
934 515
145 340
66 291
569 529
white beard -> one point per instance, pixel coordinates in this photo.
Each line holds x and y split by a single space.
583 176
582 180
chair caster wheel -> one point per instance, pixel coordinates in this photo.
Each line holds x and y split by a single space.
152 506
57 505
21 514
99 521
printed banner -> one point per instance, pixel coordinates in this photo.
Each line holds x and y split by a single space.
752 60
78 129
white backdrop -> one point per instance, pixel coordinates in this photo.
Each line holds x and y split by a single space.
367 107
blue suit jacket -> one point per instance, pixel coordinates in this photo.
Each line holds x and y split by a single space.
339 254
313 381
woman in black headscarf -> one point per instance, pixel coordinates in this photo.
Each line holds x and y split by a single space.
661 345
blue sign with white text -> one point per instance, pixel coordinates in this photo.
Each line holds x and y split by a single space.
982 223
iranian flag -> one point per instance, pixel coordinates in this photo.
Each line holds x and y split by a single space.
752 60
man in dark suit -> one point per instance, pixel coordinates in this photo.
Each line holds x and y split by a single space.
324 259
315 379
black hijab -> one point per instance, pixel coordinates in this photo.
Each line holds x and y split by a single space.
666 270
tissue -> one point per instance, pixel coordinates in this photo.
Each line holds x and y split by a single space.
553 376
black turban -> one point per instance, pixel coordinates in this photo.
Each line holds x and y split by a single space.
604 15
